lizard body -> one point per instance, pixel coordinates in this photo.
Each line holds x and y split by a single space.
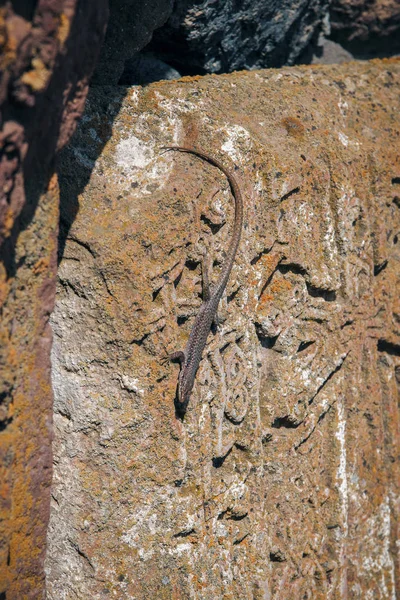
190 357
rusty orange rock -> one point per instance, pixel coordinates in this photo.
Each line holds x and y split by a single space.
44 82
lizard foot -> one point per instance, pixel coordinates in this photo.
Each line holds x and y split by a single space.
175 356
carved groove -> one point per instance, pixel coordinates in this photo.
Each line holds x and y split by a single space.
328 378
287 422
314 292
295 190
265 341
218 461
214 227
379 268
388 347
304 345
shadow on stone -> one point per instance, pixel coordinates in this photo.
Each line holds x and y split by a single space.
75 169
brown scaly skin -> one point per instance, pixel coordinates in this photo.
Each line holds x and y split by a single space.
190 357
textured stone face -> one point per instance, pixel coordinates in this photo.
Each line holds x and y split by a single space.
48 50
367 27
130 28
281 481
215 36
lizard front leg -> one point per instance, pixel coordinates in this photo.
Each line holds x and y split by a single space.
175 356
179 356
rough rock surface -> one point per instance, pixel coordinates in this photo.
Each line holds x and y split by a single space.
48 50
130 28
367 27
282 480
219 36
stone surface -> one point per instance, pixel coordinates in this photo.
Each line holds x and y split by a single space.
130 28
48 51
282 480
219 37
367 28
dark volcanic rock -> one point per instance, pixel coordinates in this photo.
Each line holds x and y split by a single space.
219 36
367 28
131 25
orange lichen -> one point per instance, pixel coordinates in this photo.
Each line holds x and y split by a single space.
8 222
280 285
63 29
293 126
41 266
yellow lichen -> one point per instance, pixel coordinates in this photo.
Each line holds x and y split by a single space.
63 29
38 77
8 222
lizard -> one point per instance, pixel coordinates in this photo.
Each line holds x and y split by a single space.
190 357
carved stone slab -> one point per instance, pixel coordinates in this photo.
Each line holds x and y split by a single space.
281 481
